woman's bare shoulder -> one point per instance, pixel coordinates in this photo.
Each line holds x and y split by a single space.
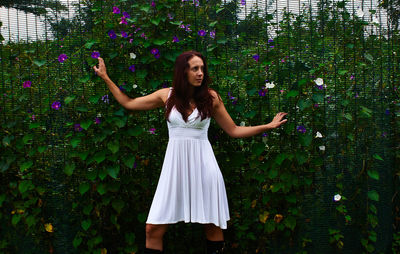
164 93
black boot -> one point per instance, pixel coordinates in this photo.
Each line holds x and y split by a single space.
215 247
152 251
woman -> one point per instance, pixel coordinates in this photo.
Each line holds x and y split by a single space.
191 187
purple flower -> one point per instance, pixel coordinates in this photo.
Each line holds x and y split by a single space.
319 87
56 105
243 2
351 77
301 129
112 34
95 54
97 120
175 39
154 51
157 55
132 68
202 32
33 117
265 134
123 20
122 88
124 34
387 112
77 127
262 92
152 131
187 28
27 84
170 16
62 58
153 4
105 98
212 34
116 10
256 57
126 15
270 41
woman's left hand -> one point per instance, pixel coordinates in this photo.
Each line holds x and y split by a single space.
278 120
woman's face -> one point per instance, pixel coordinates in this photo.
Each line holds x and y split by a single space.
195 74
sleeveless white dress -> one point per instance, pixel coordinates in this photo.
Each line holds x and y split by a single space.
190 187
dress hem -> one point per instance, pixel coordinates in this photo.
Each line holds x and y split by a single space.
186 221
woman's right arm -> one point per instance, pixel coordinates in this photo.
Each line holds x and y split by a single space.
151 101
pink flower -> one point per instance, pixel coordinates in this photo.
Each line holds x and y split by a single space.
27 84
116 10
152 130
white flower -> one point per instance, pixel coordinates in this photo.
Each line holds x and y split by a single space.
319 135
375 20
359 13
337 197
132 55
269 85
98 114
134 86
242 123
322 148
319 81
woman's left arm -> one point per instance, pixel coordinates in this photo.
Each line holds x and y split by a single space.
224 120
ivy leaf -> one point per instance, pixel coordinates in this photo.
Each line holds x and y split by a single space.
156 21
342 72
23 186
15 219
290 222
34 125
368 57
129 161
101 188
86 124
90 43
292 93
41 149
280 158
86 224
75 142
113 171
100 156
212 24
39 62
118 204
304 103
27 138
376 156
373 174
77 241
84 79
305 139
319 98
83 188
26 165
348 116
373 195
258 148
69 99
69 169
94 98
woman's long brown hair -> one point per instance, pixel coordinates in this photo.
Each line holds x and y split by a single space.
180 94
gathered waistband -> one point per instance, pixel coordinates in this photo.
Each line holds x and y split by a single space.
187 133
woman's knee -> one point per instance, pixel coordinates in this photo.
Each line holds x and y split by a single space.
155 231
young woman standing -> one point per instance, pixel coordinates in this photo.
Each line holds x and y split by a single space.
191 187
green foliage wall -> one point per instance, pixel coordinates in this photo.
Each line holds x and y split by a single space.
78 172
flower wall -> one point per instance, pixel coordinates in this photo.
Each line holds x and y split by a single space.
78 172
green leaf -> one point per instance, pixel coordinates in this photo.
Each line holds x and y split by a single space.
212 24
113 55
39 62
304 103
220 9
290 222
100 156
319 98
102 173
86 224
129 161
366 111
94 98
84 79
90 43
292 93
77 241
273 173
23 186
305 139
101 188
34 125
27 138
258 148
118 204
113 146
113 171
75 142
69 99
302 82
15 219
82 108
348 116
26 165
368 57
86 124
2 198
376 156
145 8
342 72
373 174
373 195
83 188
41 149
83 155
142 217
156 21
280 158
69 169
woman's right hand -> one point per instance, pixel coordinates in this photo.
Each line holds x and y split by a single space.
101 71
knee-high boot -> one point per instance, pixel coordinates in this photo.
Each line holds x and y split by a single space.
152 251
215 247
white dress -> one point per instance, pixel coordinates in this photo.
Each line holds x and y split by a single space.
190 187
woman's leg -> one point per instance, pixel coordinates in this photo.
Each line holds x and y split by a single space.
215 239
154 236
213 233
